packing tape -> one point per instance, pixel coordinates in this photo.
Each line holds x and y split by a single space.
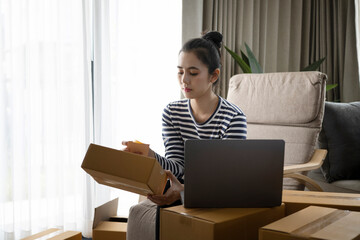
313 227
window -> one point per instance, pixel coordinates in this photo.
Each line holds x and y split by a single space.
46 103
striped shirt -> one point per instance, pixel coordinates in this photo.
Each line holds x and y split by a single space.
179 125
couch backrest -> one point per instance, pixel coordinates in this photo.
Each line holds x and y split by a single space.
288 106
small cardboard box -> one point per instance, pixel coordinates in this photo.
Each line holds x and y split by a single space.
297 200
109 231
124 170
55 234
314 223
215 223
103 228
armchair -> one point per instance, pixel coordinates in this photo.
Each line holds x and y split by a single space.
288 106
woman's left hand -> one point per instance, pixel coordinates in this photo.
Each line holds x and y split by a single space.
171 195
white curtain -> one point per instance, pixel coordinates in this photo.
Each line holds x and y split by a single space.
42 116
47 99
136 44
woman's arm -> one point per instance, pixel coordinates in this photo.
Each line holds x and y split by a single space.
237 128
174 147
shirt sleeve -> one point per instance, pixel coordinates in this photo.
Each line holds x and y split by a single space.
237 128
174 147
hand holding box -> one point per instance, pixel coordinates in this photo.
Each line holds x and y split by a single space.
138 148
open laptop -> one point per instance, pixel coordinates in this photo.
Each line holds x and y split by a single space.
233 173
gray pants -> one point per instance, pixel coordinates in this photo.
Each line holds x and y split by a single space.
142 221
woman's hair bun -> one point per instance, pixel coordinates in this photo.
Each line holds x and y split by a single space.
214 37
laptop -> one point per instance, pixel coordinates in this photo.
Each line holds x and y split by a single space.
233 173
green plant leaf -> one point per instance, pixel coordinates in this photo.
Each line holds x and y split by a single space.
245 58
244 67
330 86
254 64
314 66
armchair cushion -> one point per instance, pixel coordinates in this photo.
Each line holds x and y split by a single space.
266 99
341 136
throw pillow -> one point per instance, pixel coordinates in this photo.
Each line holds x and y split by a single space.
340 135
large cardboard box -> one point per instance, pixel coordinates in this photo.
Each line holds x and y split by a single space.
215 223
104 227
314 223
55 234
297 200
124 170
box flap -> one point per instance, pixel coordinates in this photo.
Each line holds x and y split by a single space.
105 211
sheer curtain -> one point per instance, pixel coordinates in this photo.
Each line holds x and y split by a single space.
42 116
50 109
136 44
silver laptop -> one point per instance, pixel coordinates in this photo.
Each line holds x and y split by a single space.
233 173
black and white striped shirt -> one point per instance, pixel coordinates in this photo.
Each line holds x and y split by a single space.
179 125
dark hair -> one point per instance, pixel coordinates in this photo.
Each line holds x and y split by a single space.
206 49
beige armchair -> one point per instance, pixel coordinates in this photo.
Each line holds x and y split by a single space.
288 106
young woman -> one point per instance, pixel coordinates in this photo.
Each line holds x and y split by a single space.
201 115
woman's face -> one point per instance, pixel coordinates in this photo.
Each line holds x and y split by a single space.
193 75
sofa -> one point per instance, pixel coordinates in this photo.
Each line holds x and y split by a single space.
340 135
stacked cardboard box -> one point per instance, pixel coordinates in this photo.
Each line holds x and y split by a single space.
215 223
314 223
298 200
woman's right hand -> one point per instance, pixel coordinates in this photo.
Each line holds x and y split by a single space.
128 149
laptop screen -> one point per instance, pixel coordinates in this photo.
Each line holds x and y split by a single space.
233 173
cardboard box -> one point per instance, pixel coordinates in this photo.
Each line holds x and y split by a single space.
215 223
109 231
55 234
124 170
314 223
298 200
106 225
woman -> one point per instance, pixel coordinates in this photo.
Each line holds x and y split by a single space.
201 115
